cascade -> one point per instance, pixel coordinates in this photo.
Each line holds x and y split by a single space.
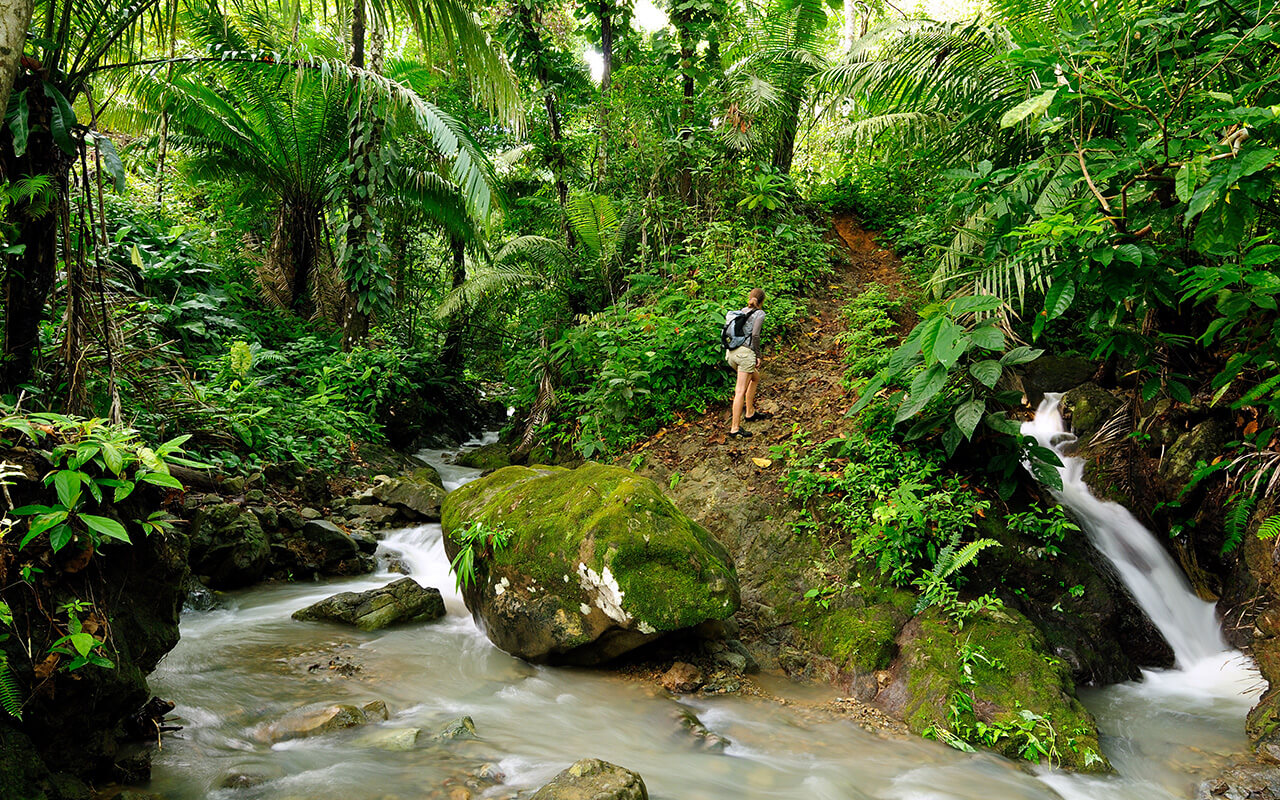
1160 588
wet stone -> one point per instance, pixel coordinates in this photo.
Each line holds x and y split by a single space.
682 678
593 779
454 730
400 601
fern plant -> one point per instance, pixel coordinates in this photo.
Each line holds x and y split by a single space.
10 696
937 589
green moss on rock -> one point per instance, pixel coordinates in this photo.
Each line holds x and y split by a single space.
490 456
1010 670
599 562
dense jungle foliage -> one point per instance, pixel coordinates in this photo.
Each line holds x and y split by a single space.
269 231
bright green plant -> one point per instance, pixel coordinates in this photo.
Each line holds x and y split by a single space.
10 695
937 584
868 334
1051 526
85 649
476 538
95 465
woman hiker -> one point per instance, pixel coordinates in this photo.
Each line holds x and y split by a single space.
747 360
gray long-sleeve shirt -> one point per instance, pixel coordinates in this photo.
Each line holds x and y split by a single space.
757 323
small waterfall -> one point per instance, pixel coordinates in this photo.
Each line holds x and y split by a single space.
1188 623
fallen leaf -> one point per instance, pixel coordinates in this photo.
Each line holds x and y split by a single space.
762 462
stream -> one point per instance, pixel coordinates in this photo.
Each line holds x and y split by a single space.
247 664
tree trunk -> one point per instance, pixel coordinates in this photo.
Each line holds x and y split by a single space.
606 81
451 352
687 47
785 148
30 273
847 26
15 18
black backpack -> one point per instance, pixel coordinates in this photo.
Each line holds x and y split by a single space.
737 329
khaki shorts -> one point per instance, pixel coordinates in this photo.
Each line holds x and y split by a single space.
743 359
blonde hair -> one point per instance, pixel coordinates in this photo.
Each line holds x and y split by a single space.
756 298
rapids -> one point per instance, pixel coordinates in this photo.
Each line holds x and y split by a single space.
248 663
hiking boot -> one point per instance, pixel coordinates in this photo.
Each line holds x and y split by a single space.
740 434
758 415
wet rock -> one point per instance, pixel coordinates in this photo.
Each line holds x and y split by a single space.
255 496
397 566
487 457
418 494
453 730
1243 783
682 678
1202 443
376 709
593 779
313 720
228 546
400 601
268 517
366 542
396 740
1050 373
599 561
706 739
292 519
1090 407
248 777
199 597
376 514
310 513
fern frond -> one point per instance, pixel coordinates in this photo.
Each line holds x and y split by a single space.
1270 527
965 556
1237 520
10 694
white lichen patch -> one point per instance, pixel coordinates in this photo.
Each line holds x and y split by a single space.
501 586
566 578
604 592
645 627
584 608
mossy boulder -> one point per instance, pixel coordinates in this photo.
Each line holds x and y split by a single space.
403 600
1000 665
488 457
599 561
1202 443
1090 406
862 639
593 779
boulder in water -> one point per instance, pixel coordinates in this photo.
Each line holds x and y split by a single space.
682 677
488 457
399 601
1090 407
598 562
593 779
455 729
418 494
1001 662
313 720
1247 782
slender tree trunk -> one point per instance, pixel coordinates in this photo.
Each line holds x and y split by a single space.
785 148
30 273
15 18
451 352
362 250
163 147
605 12
687 46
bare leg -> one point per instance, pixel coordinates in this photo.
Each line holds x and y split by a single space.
751 392
739 397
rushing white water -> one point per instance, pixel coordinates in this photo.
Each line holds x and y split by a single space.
1187 623
249 663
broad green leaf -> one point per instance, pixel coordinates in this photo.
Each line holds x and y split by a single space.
968 415
1262 254
68 482
82 642
1032 106
110 160
866 394
60 536
951 439
929 332
46 521
1058 299
1001 423
20 125
905 356
106 526
1129 253
988 337
1020 355
161 479
113 458
62 119
123 490
987 372
923 388
950 345
974 304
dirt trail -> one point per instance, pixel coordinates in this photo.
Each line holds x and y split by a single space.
800 380
717 482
